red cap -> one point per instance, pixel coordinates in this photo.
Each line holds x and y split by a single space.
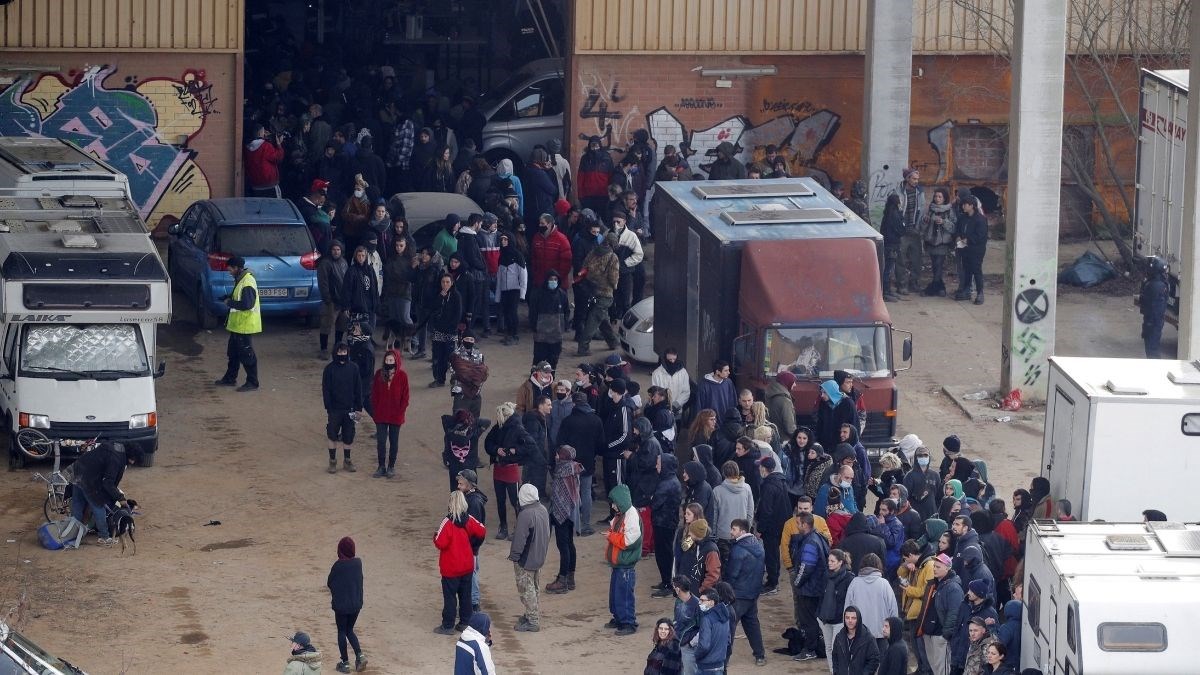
561 207
319 185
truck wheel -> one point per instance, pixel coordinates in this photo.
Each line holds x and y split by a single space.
147 459
148 451
204 318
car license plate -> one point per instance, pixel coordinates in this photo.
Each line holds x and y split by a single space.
273 292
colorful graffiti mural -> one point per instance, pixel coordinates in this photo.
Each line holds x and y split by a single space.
800 140
142 128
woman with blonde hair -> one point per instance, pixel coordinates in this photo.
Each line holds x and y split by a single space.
758 410
506 471
456 562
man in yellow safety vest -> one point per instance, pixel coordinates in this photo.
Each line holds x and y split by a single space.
244 320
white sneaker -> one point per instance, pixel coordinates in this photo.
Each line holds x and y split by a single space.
106 542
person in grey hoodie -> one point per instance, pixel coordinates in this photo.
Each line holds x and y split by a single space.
732 499
530 541
873 596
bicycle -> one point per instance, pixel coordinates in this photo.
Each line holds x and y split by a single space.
37 445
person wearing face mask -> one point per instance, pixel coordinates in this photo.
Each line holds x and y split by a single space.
541 379
389 402
629 252
354 214
553 312
601 271
711 644
550 250
341 391
594 168
468 373
924 485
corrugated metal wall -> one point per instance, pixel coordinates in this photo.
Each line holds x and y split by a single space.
122 25
832 26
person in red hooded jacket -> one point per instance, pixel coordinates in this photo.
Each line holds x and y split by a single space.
389 401
594 168
262 159
456 562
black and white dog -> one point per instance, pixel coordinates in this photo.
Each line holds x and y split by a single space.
121 525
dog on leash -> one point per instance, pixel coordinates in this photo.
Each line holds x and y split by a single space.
121 525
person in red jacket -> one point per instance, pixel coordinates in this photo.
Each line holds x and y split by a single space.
262 159
549 250
456 562
389 401
594 169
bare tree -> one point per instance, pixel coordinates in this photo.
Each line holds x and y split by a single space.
1108 43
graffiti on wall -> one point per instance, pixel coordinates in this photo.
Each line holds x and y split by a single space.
602 110
799 140
141 128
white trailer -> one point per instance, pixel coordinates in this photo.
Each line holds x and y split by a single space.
1116 598
1123 435
1158 217
35 166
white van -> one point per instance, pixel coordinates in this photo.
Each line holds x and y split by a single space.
35 166
1115 598
82 289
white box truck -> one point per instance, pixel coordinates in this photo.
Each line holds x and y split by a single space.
82 289
1122 436
1117 598
1158 208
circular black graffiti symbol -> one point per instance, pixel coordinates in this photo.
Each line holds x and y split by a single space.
1032 305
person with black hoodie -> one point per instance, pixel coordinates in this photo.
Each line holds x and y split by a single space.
641 462
583 430
894 660
914 525
535 457
833 601
772 510
703 454
476 271
746 455
855 651
341 391
443 311
858 541
696 488
345 583
664 516
924 485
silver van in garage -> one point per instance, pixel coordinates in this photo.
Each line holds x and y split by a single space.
523 111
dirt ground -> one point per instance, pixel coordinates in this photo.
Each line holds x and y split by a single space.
223 598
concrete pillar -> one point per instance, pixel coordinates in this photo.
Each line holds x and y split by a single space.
1034 183
1189 255
887 101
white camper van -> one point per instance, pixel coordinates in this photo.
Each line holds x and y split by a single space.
1116 598
1123 435
82 289
53 167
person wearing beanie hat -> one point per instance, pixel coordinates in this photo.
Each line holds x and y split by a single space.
345 583
473 652
304 659
243 321
941 613
595 167
954 464
977 607
602 271
618 431
530 542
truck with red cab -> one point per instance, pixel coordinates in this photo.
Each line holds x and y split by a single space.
777 275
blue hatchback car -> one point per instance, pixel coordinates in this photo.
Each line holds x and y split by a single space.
269 233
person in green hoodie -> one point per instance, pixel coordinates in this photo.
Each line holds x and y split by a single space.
622 551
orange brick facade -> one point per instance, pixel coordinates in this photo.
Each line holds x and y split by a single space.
169 121
813 109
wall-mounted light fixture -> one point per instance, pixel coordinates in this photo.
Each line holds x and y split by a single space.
736 72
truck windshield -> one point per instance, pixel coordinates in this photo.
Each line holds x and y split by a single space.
817 352
96 351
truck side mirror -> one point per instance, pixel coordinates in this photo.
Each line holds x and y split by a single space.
906 351
162 369
175 228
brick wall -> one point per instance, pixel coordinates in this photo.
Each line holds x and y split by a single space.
813 106
169 121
